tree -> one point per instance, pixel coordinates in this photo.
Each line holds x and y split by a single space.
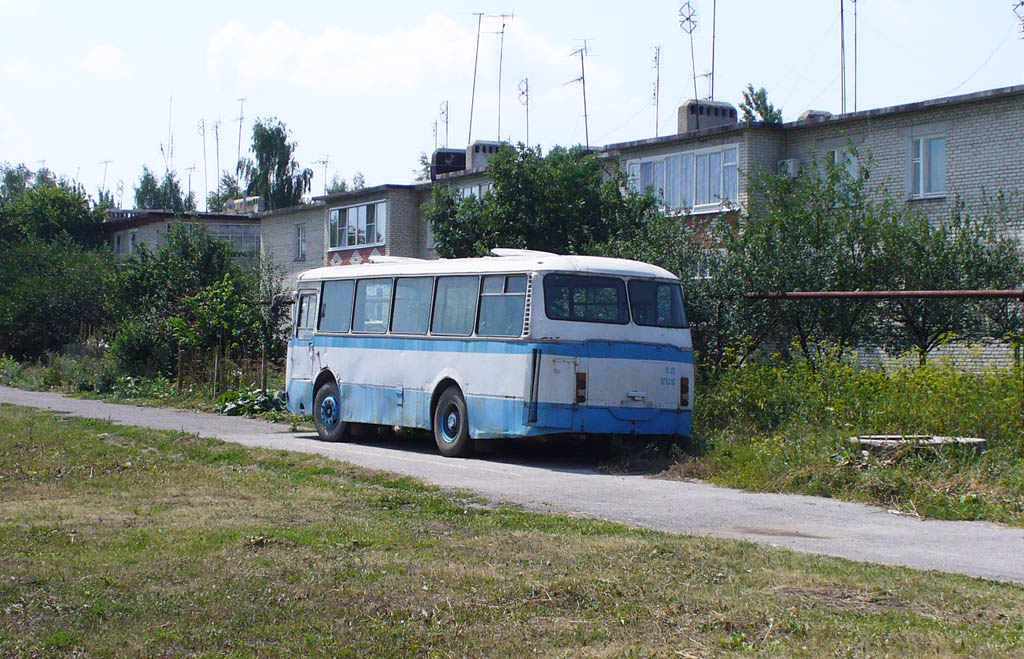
48 211
229 189
424 170
358 181
755 106
274 175
152 193
566 202
337 184
17 179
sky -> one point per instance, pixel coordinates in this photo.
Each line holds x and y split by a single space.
360 84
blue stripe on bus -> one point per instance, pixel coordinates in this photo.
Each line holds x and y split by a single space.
600 349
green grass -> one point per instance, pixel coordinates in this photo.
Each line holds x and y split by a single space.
786 428
125 541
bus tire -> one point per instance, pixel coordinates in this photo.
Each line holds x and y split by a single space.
327 413
451 424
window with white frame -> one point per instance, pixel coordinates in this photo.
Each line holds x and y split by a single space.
843 158
244 238
704 179
357 226
477 190
300 242
926 167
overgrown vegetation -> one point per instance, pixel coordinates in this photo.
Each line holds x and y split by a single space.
120 540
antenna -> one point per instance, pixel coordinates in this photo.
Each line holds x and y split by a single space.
444 118
169 156
241 118
103 186
688 23
842 55
657 85
120 192
524 98
1018 9
216 139
190 169
476 60
323 161
582 51
714 20
201 126
501 54
854 55
435 134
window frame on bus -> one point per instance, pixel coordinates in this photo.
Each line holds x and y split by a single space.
391 304
625 297
394 305
505 277
476 305
323 297
308 331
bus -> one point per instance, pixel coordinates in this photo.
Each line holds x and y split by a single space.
517 344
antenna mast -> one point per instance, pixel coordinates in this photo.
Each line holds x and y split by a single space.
241 119
201 126
103 186
191 169
842 54
688 23
524 98
501 55
216 139
169 160
583 79
476 60
444 118
323 161
657 86
714 20
1018 9
854 55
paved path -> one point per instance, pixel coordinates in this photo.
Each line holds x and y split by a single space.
803 523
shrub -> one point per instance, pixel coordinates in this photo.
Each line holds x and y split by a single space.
249 402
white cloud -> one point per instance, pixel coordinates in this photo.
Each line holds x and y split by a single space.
104 61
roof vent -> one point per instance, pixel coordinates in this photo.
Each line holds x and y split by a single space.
698 115
814 115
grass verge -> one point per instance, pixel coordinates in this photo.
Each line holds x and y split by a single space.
120 540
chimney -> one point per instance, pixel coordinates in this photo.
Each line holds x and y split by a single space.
479 152
705 114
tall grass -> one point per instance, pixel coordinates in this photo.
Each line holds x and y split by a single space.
787 427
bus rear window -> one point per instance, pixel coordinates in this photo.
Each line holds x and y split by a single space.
657 304
585 298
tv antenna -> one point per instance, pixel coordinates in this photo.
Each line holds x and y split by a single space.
501 53
169 155
120 192
583 51
476 60
216 140
435 134
714 17
1018 9
688 23
657 85
854 55
240 120
323 161
190 169
524 98
105 163
201 127
842 55
444 118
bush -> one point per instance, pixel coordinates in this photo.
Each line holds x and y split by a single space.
249 402
143 347
10 370
160 388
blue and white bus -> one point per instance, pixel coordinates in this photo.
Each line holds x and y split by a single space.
518 344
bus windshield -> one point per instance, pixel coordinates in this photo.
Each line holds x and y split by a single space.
593 299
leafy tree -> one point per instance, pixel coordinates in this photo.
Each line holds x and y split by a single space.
755 106
152 193
229 189
337 184
566 202
48 211
423 171
16 180
358 181
274 175
49 292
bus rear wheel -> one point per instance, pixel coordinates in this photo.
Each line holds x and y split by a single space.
451 424
327 414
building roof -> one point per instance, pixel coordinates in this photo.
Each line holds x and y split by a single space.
523 261
117 219
375 189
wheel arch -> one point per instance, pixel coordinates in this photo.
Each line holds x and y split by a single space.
322 378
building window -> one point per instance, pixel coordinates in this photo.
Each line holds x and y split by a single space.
357 226
843 159
701 180
300 242
477 190
243 238
927 167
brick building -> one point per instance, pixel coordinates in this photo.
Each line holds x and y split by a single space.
126 230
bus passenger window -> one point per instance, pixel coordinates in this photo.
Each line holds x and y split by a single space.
305 313
412 305
373 306
502 302
455 305
336 307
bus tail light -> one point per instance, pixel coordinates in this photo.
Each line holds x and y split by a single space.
581 387
684 392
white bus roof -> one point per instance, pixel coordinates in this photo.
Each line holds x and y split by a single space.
511 261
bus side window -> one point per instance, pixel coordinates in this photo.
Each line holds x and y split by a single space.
373 306
412 305
336 306
455 305
502 302
306 312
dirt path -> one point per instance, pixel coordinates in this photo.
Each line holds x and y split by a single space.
810 524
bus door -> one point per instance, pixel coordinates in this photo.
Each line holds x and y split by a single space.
300 357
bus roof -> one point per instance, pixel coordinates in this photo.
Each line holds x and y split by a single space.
523 261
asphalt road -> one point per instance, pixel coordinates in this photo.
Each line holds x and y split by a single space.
566 482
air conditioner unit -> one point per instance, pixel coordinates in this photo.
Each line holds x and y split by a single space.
790 167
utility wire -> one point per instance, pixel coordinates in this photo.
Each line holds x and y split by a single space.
985 63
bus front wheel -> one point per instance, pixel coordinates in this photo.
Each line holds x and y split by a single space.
451 424
327 413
